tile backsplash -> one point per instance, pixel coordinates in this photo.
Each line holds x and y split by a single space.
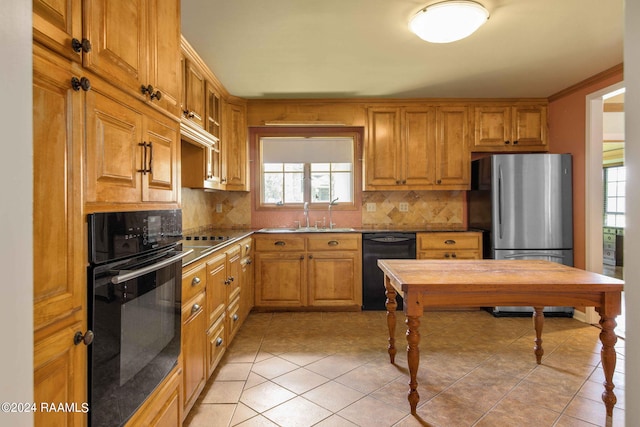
428 210
425 210
200 210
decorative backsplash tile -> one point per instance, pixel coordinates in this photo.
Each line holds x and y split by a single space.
199 210
429 210
426 210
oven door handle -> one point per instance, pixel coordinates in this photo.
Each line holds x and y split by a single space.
149 269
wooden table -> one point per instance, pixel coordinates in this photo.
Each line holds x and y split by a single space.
488 283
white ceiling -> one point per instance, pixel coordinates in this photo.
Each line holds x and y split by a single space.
363 48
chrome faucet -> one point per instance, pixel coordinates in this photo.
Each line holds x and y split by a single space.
331 203
306 213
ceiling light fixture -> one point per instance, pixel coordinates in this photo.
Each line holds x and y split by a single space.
448 21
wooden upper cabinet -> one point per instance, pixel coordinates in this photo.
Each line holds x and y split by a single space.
56 23
510 128
131 151
419 145
194 93
235 148
417 148
165 74
133 44
382 149
58 251
453 159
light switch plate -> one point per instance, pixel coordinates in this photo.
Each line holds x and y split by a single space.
219 207
371 207
403 207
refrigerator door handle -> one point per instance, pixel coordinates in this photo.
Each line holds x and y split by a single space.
500 201
537 255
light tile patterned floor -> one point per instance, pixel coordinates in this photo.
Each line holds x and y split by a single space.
332 369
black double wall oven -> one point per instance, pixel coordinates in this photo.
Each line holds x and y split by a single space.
134 305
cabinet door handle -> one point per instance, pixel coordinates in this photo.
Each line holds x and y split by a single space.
310 256
333 243
195 308
515 142
235 317
446 255
86 339
280 243
77 45
301 257
449 242
219 342
195 281
453 255
82 83
150 145
439 181
507 142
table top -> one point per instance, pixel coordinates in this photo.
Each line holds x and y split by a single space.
495 276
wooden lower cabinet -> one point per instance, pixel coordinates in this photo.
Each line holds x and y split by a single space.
60 375
164 408
194 323
319 270
449 245
211 316
216 344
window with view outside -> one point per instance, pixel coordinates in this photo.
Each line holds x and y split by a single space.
614 196
316 170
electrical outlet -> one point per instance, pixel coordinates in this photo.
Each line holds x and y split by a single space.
371 207
219 207
403 207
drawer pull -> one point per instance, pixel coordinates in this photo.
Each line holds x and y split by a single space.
219 342
195 281
195 308
453 255
235 317
280 243
449 242
333 243
446 255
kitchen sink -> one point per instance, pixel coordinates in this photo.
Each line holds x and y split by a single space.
305 230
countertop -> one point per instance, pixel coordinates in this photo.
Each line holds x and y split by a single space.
209 241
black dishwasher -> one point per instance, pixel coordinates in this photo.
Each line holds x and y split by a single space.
382 245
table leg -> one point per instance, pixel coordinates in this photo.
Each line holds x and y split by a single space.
391 318
538 323
608 357
413 358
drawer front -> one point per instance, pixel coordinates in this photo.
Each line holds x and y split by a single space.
334 242
247 246
193 307
233 317
449 241
193 281
216 344
279 243
449 254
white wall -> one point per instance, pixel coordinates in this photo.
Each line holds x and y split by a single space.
632 229
16 289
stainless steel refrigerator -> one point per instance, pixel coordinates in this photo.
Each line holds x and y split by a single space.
523 203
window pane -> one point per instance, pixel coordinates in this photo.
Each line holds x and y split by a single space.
342 187
272 167
611 189
293 188
272 188
320 167
320 190
294 167
347 167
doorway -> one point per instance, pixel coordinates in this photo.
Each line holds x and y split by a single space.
595 192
